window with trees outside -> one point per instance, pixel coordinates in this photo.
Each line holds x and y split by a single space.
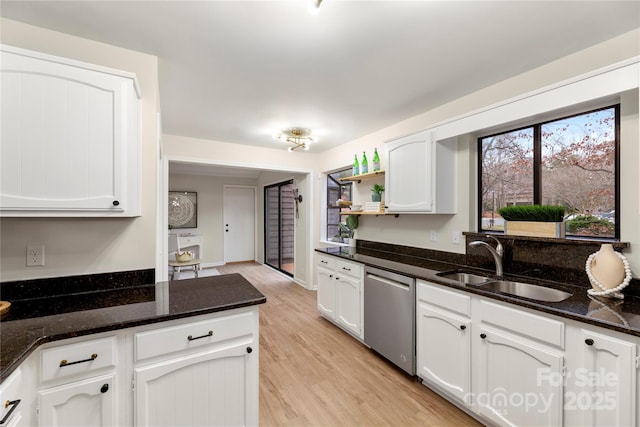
572 161
336 191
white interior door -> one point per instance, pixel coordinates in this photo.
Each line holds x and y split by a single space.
239 206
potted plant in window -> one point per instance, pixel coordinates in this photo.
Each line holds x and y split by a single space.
534 220
347 229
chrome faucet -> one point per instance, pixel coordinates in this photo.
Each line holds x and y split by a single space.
497 253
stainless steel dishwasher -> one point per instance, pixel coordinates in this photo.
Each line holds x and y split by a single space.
389 316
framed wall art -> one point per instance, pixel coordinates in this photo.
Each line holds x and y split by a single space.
183 209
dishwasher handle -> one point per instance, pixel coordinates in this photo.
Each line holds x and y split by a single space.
389 282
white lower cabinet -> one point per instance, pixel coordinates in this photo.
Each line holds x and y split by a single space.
205 389
520 367
443 340
77 382
601 378
14 394
200 371
517 380
348 303
200 374
340 297
90 402
326 287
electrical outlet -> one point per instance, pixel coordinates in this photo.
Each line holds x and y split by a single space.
434 236
455 237
35 255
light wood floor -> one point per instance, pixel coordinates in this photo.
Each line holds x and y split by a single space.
314 374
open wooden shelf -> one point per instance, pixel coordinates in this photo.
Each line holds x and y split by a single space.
362 177
371 213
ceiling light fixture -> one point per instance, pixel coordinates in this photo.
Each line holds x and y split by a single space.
300 137
314 6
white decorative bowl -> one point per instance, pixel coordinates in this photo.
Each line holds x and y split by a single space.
356 207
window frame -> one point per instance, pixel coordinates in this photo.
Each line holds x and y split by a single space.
331 206
537 167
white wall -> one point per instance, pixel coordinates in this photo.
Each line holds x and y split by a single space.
86 246
83 246
210 210
414 230
278 165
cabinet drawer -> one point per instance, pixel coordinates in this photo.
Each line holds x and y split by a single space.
327 261
185 241
531 325
192 335
350 268
450 300
78 359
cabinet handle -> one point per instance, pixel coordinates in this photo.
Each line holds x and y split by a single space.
116 203
345 268
14 404
589 341
324 262
65 362
337 278
192 338
104 388
331 276
463 327
249 349
483 336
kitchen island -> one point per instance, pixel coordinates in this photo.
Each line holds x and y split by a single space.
129 348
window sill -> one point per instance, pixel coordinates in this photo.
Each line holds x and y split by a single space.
330 243
570 240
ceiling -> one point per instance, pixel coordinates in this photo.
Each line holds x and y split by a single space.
238 71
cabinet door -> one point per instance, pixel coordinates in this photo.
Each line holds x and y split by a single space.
408 181
84 403
14 410
518 382
327 292
68 139
606 381
444 350
348 298
215 388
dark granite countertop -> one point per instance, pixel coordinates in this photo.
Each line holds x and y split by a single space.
35 321
620 315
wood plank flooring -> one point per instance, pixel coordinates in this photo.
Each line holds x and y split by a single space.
314 374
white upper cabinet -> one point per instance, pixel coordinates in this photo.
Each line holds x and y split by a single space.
70 138
420 176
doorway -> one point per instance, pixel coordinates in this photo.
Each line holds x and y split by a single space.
239 223
279 220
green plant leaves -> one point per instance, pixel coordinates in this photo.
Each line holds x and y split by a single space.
542 213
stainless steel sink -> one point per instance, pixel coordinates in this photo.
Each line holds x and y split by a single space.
526 290
464 278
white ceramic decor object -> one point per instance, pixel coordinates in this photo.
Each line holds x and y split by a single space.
608 272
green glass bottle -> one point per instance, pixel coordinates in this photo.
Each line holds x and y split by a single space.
356 166
376 160
365 164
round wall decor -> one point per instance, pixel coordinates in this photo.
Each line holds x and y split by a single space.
182 209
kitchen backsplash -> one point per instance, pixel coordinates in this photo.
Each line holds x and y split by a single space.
42 288
558 260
